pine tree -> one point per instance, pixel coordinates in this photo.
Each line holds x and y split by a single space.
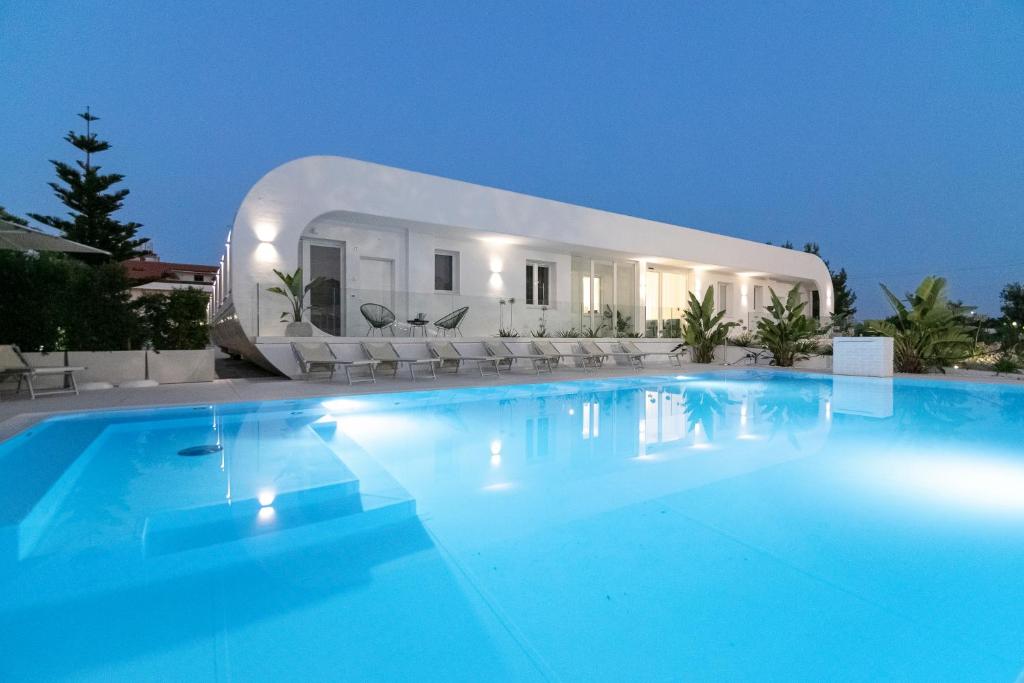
84 190
11 218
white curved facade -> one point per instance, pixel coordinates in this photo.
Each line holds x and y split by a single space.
390 236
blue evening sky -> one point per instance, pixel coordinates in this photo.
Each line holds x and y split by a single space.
890 133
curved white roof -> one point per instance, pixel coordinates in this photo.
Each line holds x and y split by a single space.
292 195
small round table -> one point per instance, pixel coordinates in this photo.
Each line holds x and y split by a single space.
420 325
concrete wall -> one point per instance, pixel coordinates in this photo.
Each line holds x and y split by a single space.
118 367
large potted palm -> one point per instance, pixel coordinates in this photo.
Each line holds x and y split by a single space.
703 329
295 293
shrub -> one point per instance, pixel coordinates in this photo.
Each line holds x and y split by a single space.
704 329
51 302
746 339
1006 364
175 321
786 332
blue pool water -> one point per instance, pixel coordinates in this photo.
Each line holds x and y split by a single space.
729 526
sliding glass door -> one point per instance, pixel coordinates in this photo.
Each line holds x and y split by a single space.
665 300
325 259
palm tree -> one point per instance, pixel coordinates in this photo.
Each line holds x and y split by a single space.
926 332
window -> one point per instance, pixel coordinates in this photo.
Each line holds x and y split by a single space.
723 297
446 268
538 283
815 304
758 297
197 278
591 294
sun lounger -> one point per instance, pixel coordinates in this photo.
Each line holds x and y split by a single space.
387 357
590 347
499 350
450 356
318 357
554 356
14 364
675 355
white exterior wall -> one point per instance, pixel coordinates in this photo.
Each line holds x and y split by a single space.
401 215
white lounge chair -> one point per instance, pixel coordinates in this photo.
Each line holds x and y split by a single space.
318 357
675 355
590 347
386 356
555 357
499 350
446 352
14 364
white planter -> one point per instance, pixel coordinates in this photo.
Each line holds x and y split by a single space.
865 356
115 367
176 367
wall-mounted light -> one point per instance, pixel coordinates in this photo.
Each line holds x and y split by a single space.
265 231
495 281
266 252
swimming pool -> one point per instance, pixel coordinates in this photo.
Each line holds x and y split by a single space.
729 526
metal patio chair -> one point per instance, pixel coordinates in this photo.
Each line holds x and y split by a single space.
451 322
379 317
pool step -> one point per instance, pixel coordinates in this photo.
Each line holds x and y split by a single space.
331 510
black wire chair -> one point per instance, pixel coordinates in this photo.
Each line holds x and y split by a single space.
379 317
450 323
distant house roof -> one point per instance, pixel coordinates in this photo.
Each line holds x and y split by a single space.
157 270
22 238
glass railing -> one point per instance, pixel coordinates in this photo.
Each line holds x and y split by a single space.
360 312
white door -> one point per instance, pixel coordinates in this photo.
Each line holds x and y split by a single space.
377 281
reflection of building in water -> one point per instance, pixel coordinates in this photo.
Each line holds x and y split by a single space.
864 396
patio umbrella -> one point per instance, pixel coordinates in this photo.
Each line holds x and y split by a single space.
19 238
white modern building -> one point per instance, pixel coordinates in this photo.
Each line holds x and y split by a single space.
424 246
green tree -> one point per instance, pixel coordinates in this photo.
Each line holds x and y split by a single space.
703 328
843 298
175 321
52 303
33 302
100 315
927 332
1012 297
11 218
786 332
91 200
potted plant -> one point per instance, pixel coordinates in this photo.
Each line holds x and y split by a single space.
296 295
